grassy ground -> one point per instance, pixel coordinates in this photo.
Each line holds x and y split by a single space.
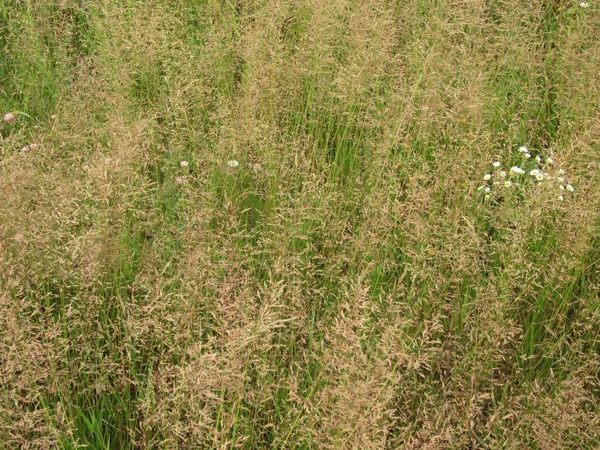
346 285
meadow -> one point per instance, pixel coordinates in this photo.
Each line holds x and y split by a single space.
299 224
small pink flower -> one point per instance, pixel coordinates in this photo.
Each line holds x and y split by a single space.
184 164
9 117
179 180
33 146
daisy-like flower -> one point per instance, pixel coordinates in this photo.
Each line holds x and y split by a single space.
584 4
539 177
486 177
496 164
9 117
534 172
233 163
516 169
549 160
503 174
570 188
538 159
527 155
523 149
487 189
561 198
184 163
507 184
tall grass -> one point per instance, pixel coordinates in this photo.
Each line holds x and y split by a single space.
346 285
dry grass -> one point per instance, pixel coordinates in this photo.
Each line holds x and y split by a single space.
346 286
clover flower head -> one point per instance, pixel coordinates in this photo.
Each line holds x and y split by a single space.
233 163
184 163
9 117
179 180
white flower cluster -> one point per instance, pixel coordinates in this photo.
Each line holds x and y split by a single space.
538 168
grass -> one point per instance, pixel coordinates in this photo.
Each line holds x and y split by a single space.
346 286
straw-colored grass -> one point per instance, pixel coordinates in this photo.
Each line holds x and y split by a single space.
346 286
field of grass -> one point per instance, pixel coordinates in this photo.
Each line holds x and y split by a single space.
346 284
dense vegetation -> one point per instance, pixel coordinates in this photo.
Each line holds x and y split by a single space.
321 271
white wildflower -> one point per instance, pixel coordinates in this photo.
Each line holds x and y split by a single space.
538 159
496 164
549 160
534 172
503 174
527 155
523 149
570 188
234 163
539 177
561 172
481 188
486 177
184 163
516 169
487 189
562 187
561 198
560 179
584 4
507 184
